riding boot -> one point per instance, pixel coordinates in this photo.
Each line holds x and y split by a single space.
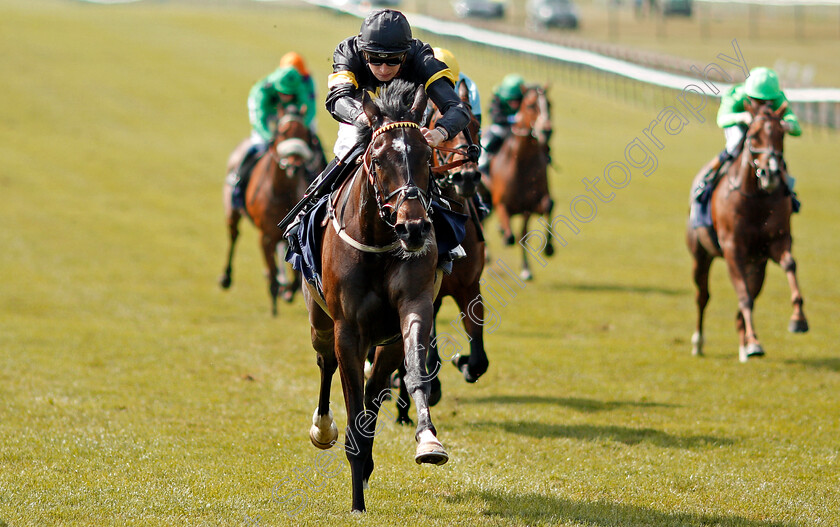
332 176
709 180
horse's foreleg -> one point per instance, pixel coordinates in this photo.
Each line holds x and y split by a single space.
416 328
783 257
471 303
232 216
433 364
526 269
350 352
548 206
504 224
747 280
269 248
702 264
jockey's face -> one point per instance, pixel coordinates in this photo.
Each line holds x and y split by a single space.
286 98
383 72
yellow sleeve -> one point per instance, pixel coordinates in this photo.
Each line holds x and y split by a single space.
445 73
341 77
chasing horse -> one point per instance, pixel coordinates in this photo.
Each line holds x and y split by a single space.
519 171
277 181
750 215
458 177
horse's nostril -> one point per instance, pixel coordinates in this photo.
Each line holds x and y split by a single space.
427 227
401 230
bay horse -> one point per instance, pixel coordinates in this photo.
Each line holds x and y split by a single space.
379 281
278 181
458 185
751 208
519 171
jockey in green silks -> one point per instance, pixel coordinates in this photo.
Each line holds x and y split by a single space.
282 89
761 86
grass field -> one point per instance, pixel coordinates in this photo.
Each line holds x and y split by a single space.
135 392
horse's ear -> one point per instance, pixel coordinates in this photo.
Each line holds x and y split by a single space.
463 91
419 104
781 111
371 110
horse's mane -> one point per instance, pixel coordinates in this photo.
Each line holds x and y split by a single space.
394 103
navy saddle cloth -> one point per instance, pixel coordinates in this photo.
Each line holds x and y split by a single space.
449 232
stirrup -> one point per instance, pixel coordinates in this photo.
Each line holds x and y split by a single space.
457 253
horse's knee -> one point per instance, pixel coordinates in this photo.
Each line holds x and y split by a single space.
788 264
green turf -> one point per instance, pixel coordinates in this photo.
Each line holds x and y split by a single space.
135 392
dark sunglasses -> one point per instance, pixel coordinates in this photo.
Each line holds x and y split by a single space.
393 60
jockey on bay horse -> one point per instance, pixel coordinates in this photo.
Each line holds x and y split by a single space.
383 51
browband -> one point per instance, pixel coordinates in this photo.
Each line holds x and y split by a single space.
391 126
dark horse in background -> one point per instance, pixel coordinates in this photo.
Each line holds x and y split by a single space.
458 185
751 209
379 280
278 181
519 171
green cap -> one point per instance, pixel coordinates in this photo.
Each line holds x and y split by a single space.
287 80
511 87
763 83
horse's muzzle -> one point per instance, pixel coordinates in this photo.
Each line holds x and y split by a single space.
466 181
413 233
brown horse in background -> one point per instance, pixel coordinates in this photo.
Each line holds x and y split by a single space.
458 185
278 181
519 171
379 281
751 208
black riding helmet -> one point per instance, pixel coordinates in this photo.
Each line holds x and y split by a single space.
385 33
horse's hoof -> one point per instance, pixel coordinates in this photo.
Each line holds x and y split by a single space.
225 281
288 296
404 420
750 351
510 240
368 369
697 344
526 275
323 433
430 450
798 326
463 364
549 250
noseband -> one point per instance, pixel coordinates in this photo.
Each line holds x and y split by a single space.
407 192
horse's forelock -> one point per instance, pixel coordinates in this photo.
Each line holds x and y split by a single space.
395 100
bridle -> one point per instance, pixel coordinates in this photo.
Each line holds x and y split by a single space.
387 212
538 130
406 192
775 161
